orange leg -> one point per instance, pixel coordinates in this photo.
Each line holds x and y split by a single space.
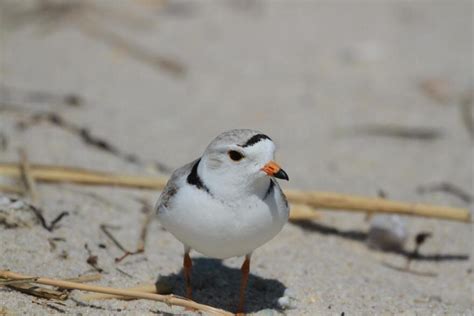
245 269
187 265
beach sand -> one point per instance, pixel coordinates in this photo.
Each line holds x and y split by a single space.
360 96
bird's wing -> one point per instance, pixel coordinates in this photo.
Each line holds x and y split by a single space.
178 179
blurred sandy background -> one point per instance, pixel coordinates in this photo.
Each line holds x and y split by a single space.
360 96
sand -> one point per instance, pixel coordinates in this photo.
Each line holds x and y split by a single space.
319 77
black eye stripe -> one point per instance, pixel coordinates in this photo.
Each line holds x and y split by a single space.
235 155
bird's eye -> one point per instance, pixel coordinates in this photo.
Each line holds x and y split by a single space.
235 155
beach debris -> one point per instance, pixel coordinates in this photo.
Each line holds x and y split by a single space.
39 291
11 95
404 269
148 213
300 212
420 239
446 187
87 137
121 271
63 255
50 306
288 300
26 286
10 189
167 299
387 233
141 244
96 307
390 130
144 288
93 260
16 213
53 240
26 176
89 18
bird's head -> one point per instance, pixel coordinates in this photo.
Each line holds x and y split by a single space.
240 161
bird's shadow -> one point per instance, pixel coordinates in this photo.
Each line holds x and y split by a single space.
218 285
361 236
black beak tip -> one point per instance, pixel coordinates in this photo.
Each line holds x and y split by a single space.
281 174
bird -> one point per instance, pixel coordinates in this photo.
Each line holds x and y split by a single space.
226 203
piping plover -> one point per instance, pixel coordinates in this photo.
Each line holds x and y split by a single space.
226 203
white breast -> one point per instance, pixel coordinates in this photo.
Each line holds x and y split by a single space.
223 230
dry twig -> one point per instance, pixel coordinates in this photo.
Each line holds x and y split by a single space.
50 306
86 136
144 288
11 189
300 212
4 282
448 188
167 299
105 229
148 211
28 179
79 175
411 271
24 285
13 95
337 201
39 214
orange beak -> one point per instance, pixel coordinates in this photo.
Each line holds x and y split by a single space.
274 170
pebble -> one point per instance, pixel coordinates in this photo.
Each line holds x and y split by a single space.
288 300
387 232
